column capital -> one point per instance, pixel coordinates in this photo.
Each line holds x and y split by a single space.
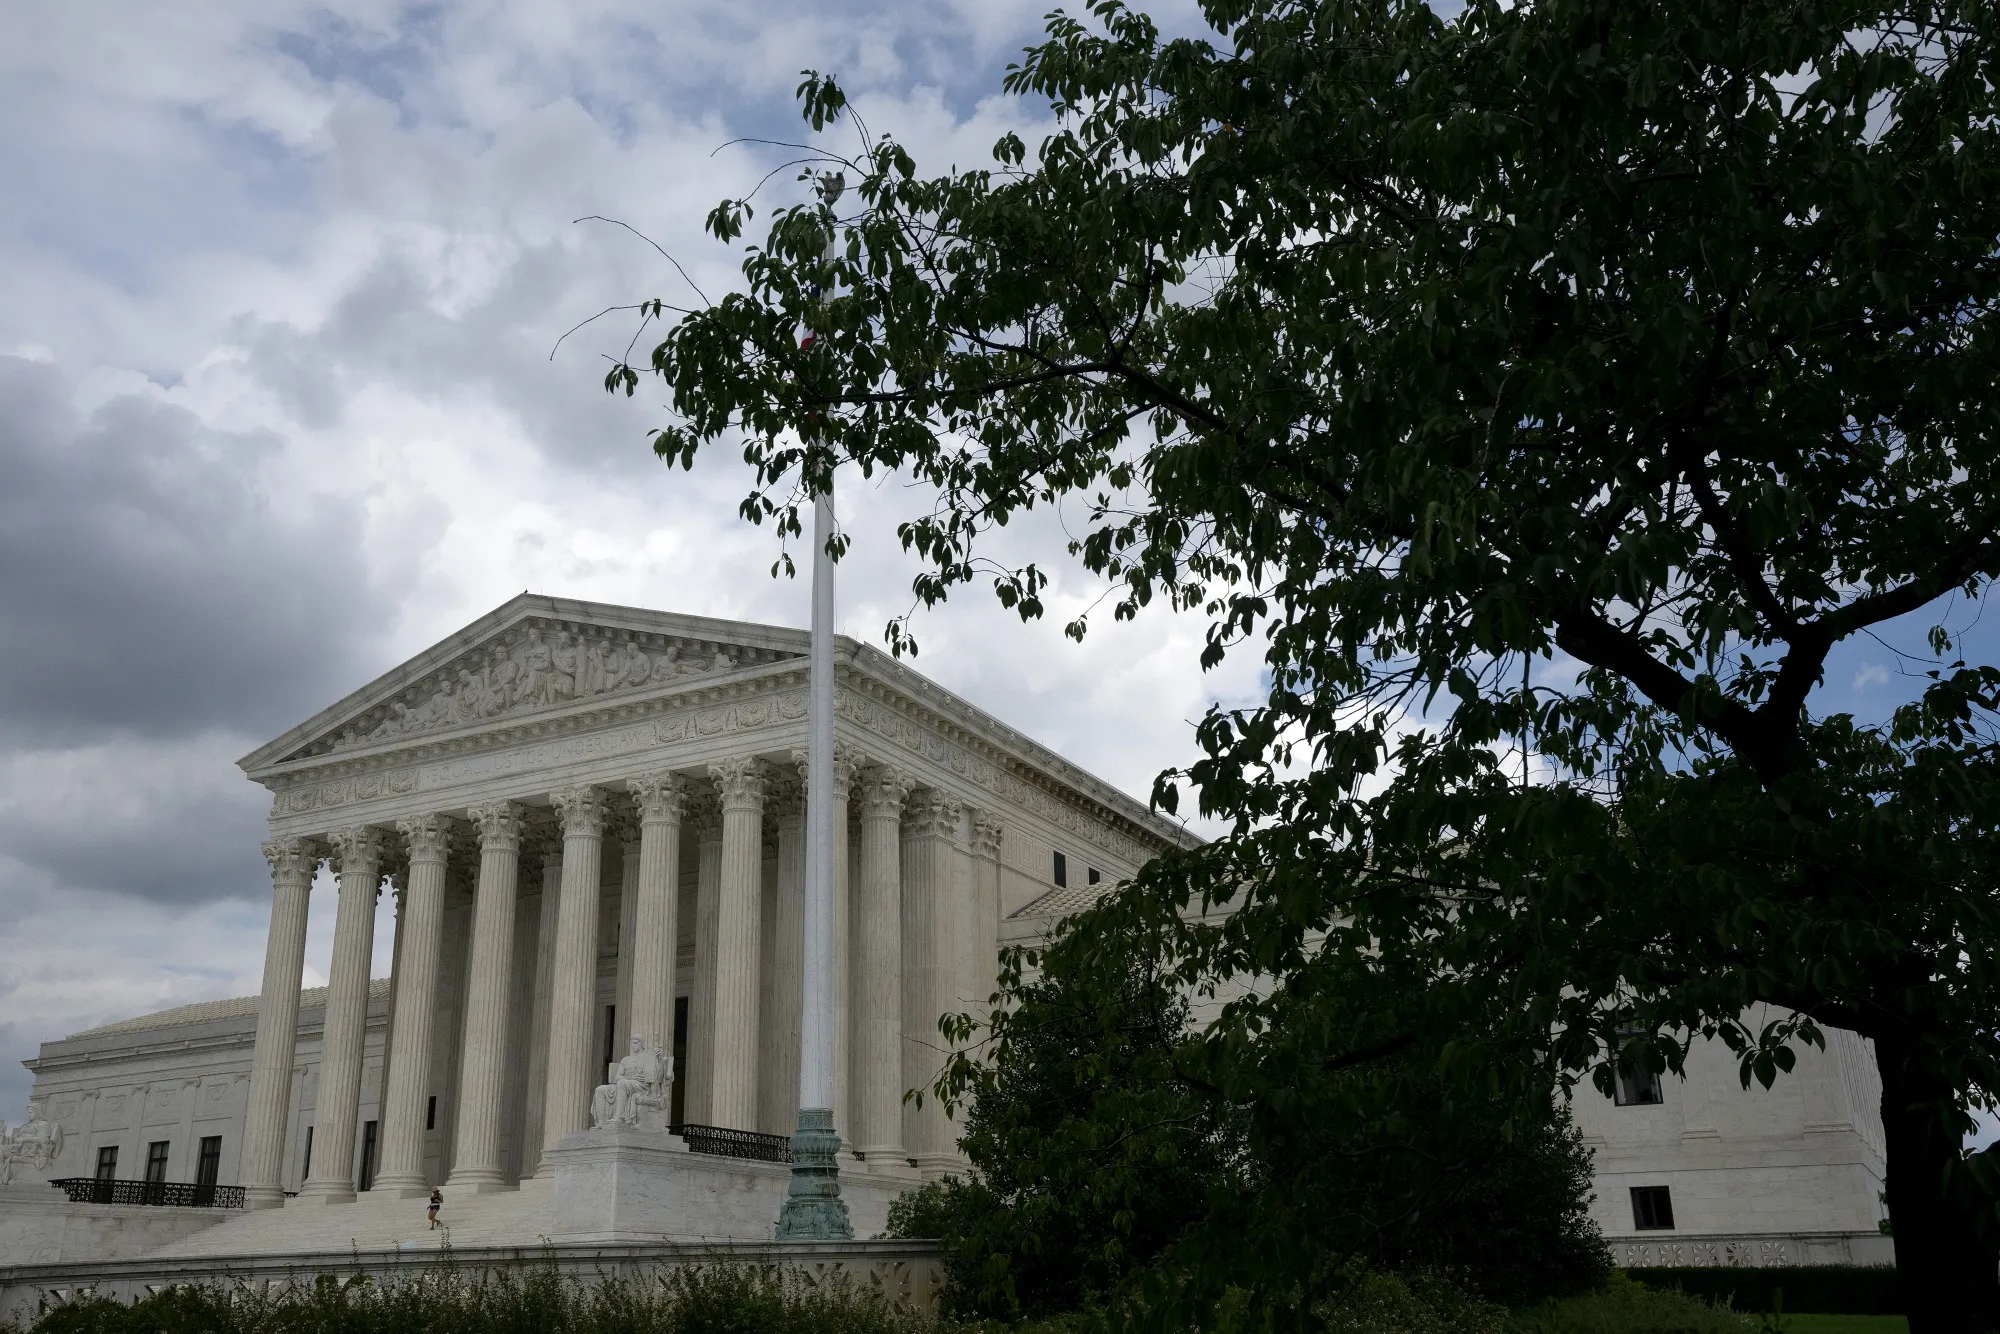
986 832
846 768
740 783
933 812
292 859
357 850
429 837
660 797
883 792
583 811
499 825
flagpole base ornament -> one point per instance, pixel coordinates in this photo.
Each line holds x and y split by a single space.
813 1208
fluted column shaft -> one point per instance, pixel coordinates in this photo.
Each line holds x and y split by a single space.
572 998
656 918
783 1029
262 1169
360 862
982 924
419 931
538 1013
878 973
476 1164
733 1083
698 1104
930 856
628 930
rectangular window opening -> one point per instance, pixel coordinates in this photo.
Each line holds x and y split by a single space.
1637 1088
1061 871
431 1113
107 1163
208 1163
610 1034
1652 1208
1093 875
368 1132
156 1160
306 1170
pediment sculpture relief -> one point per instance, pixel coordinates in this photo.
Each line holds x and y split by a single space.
537 665
30 1149
638 1089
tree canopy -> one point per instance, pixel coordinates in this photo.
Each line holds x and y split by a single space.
1572 375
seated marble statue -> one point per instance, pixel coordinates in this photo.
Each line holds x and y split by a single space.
638 1087
31 1147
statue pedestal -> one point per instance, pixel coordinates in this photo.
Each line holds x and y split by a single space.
622 1183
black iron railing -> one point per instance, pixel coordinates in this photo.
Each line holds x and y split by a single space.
101 1190
736 1143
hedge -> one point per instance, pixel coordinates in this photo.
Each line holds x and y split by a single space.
1808 1289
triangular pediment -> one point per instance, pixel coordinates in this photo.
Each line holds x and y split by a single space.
534 655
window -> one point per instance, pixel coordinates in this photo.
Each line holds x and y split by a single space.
1093 875
1061 871
431 1113
156 1160
1636 1088
1652 1208
610 1034
208 1163
368 1154
306 1171
107 1163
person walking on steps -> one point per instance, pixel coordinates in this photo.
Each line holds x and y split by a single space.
437 1201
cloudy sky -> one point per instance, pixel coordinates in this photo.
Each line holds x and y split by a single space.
277 409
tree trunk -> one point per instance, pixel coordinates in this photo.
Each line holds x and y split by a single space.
1948 1263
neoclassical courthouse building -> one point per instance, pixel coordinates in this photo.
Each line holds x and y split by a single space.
589 823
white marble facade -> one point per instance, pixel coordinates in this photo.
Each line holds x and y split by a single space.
588 821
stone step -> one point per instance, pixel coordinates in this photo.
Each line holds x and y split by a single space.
311 1227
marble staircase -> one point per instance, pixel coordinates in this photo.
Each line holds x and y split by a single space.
514 1218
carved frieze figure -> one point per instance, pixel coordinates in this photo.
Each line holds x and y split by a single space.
637 1093
528 671
31 1147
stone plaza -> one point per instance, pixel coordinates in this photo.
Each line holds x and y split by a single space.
589 822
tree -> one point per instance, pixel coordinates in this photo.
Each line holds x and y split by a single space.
1654 345
1112 1155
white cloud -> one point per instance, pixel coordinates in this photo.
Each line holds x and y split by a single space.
1869 675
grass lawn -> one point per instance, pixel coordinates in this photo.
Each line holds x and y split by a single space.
1846 1324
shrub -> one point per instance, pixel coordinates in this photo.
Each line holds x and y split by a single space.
721 1299
1624 1306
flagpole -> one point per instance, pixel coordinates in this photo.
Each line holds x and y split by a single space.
813 1209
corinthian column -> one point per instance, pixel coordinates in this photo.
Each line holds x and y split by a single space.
263 1167
481 1083
878 973
627 829
573 995
733 1082
656 918
358 853
538 1008
930 875
982 922
698 1106
419 927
